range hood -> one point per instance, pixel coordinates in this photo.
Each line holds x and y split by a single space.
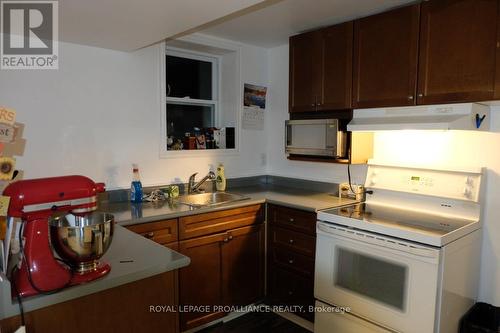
463 116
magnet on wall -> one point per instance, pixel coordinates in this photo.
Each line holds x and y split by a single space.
479 120
7 168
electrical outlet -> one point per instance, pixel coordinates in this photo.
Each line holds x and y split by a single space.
345 190
263 159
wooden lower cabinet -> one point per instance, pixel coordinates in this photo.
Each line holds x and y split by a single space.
201 283
227 252
243 266
124 309
293 290
161 232
291 244
226 269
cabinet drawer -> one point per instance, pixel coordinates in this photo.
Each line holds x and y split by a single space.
162 232
288 288
295 219
293 240
210 223
292 261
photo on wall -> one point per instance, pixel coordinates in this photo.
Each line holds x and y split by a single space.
254 96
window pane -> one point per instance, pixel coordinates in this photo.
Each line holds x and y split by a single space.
183 118
371 277
189 78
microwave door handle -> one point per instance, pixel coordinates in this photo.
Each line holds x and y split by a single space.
328 142
288 135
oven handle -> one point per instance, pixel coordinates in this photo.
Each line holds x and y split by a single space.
378 240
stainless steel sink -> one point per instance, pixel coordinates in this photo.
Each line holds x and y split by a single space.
210 199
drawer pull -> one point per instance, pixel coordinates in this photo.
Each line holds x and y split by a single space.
230 237
291 241
291 261
291 219
226 240
149 235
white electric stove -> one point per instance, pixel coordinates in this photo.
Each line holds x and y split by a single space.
405 260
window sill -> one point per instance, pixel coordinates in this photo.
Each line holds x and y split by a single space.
198 153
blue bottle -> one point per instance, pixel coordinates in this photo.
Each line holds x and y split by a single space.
136 185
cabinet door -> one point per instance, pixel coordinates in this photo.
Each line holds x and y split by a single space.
305 71
336 73
200 283
243 266
457 51
385 58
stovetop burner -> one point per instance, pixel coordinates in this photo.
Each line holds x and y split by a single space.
401 219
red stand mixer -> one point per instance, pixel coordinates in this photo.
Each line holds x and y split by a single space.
79 237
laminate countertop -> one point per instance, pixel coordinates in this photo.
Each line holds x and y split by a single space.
127 213
132 258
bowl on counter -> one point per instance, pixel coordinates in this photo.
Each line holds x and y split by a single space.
81 240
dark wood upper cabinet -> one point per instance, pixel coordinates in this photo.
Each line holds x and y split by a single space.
385 58
305 71
321 69
458 41
336 85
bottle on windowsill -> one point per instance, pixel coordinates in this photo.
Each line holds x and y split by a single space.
136 185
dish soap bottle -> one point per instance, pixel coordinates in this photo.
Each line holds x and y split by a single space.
220 181
136 185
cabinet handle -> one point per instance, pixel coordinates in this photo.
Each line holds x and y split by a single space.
313 104
291 261
230 237
226 240
291 219
420 95
410 97
149 235
291 241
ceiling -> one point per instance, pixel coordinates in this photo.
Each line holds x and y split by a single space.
131 24
271 25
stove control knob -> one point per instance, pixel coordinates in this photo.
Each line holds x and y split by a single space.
467 192
469 181
373 181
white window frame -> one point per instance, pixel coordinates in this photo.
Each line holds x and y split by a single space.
214 60
207 42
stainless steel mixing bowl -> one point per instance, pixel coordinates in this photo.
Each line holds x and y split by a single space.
81 240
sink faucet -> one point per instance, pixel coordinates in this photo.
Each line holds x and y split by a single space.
193 187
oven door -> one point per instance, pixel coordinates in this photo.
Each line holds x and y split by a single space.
385 280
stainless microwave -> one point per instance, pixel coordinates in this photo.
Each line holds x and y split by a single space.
315 137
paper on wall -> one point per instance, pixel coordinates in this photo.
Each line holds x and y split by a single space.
253 118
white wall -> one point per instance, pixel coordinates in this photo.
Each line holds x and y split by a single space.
276 115
431 149
100 112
